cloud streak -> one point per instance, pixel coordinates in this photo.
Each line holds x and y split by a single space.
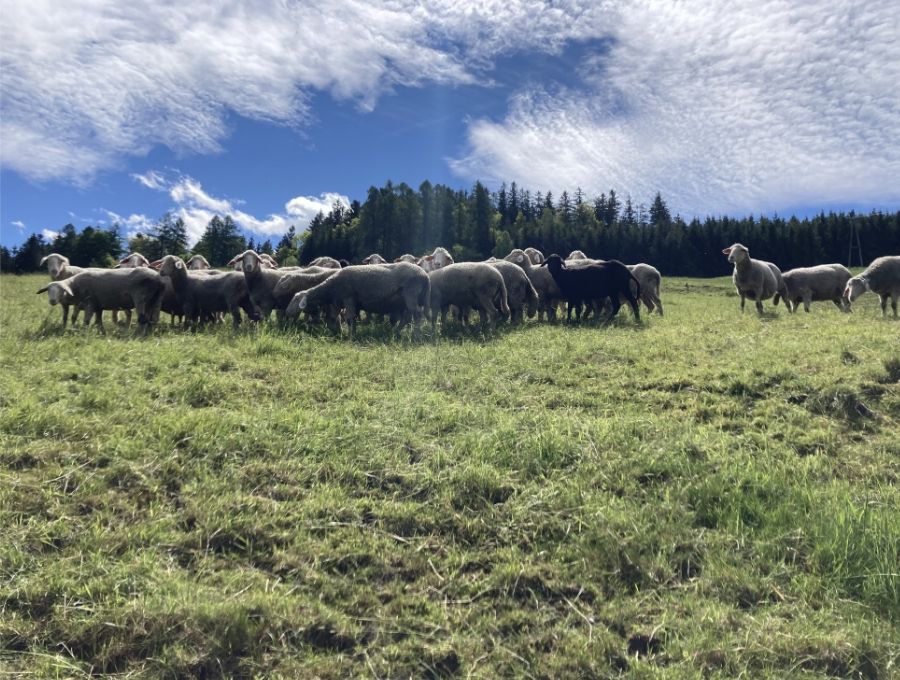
729 106
193 204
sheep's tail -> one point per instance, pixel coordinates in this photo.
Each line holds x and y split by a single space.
504 302
637 283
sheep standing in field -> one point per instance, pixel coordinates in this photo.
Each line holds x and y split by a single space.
399 290
468 284
96 290
535 255
814 284
755 279
549 294
522 298
261 280
201 296
882 277
293 282
60 269
594 283
648 280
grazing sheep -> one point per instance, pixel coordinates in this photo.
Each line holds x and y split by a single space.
649 280
60 269
549 294
374 258
468 284
755 279
815 284
535 255
295 281
594 282
399 290
201 296
198 263
96 290
882 277
326 261
406 257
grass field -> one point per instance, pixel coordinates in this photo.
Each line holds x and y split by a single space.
704 495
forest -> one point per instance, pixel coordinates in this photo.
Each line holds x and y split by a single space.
475 224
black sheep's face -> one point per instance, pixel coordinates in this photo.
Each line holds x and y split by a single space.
554 263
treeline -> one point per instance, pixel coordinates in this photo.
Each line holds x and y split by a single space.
395 219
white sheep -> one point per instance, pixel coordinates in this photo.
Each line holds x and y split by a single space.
374 258
882 277
815 284
535 255
755 279
468 284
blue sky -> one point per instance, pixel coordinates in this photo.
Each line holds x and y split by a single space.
271 111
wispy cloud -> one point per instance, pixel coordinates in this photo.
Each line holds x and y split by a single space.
49 234
724 106
150 179
194 205
18 224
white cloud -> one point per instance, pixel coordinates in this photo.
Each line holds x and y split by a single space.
726 106
150 179
49 234
194 205
133 224
18 224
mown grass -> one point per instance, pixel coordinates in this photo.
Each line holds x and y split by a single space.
704 495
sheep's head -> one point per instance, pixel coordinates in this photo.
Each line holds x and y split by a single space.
268 261
577 255
427 263
168 265
198 262
297 304
854 288
133 260
736 253
518 256
55 264
554 263
374 258
535 255
58 292
441 257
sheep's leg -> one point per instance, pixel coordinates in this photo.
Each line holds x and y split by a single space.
884 301
806 300
743 299
759 306
65 315
894 297
75 313
614 302
658 303
635 305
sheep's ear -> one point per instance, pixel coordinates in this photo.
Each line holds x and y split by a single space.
118 266
726 251
302 304
179 264
44 289
520 258
43 259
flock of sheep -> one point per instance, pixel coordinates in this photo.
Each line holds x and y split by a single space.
411 289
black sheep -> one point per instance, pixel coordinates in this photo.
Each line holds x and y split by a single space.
594 282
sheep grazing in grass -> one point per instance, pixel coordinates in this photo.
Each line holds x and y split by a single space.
293 282
755 279
96 290
468 284
535 256
549 294
814 284
374 258
328 262
201 296
398 290
882 277
198 263
594 282
522 298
